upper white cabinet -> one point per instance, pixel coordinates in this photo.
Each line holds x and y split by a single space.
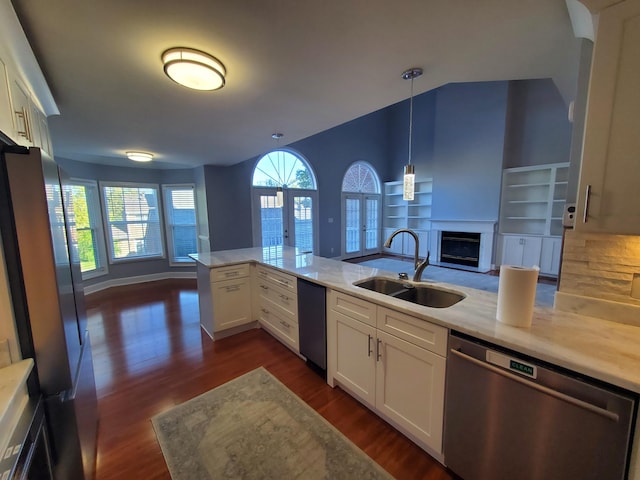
25 98
533 199
610 173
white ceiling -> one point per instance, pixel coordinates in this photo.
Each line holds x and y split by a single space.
294 66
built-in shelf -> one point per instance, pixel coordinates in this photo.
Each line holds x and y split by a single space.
533 199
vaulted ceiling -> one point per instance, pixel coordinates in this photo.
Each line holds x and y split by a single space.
294 66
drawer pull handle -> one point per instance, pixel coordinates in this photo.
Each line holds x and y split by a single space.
284 297
231 274
378 352
232 288
369 351
285 324
283 282
265 311
264 287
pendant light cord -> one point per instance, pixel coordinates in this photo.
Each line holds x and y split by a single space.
410 120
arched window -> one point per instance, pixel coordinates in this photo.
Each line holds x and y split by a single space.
282 168
361 178
361 211
284 202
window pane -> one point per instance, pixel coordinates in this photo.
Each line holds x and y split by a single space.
352 243
360 178
180 215
271 219
303 218
85 225
371 233
134 224
281 168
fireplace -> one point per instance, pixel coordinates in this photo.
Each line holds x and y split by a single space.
460 248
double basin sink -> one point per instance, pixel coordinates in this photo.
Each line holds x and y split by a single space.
418 293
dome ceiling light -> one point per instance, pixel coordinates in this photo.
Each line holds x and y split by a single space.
194 69
140 156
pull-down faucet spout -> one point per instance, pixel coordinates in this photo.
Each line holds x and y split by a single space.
418 265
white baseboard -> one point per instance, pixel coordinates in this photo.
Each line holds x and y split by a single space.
121 282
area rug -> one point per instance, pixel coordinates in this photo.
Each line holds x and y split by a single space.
253 427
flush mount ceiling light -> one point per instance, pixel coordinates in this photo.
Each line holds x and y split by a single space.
140 156
409 172
193 68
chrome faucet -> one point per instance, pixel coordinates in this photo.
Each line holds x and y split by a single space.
418 265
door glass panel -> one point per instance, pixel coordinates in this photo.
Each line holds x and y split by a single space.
303 223
371 229
352 220
271 221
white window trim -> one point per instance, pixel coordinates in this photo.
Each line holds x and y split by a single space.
168 233
96 219
105 217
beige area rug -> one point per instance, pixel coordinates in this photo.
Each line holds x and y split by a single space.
253 427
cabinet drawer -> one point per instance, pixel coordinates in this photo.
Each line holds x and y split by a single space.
280 296
229 273
353 307
281 279
419 332
279 325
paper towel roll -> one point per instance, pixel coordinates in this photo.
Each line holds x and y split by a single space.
516 295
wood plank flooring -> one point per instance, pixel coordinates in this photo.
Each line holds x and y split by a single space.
150 354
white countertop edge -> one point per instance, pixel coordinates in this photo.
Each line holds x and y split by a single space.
13 397
604 350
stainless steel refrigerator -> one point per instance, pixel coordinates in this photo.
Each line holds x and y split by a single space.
48 302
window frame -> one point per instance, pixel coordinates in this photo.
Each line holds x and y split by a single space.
94 211
105 216
168 225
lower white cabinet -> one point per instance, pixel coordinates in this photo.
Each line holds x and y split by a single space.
530 250
275 302
402 379
224 295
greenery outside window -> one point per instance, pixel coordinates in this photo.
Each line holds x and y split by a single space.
82 203
132 221
180 220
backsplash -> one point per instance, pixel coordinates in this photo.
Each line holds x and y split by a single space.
601 267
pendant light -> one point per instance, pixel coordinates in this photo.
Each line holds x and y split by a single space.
409 172
279 192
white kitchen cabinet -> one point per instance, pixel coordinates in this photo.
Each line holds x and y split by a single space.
6 112
550 255
396 366
225 307
609 174
519 250
276 305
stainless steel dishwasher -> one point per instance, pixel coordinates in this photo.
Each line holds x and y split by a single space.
509 417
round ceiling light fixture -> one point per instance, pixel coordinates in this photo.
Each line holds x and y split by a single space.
140 156
194 69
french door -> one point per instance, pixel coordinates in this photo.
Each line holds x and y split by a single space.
291 222
361 224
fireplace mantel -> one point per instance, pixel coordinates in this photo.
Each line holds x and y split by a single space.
486 229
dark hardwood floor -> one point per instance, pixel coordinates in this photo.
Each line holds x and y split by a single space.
150 354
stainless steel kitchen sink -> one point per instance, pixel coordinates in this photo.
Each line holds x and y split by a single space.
419 293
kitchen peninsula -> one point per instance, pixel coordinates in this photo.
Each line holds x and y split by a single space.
599 349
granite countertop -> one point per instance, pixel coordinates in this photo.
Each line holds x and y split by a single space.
601 349
13 397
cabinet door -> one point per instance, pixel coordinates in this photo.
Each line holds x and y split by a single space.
355 358
521 251
21 101
231 303
550 256
6 111
609 175
410 388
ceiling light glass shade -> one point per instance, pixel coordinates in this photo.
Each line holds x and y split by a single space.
408 187
140 156
194 69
